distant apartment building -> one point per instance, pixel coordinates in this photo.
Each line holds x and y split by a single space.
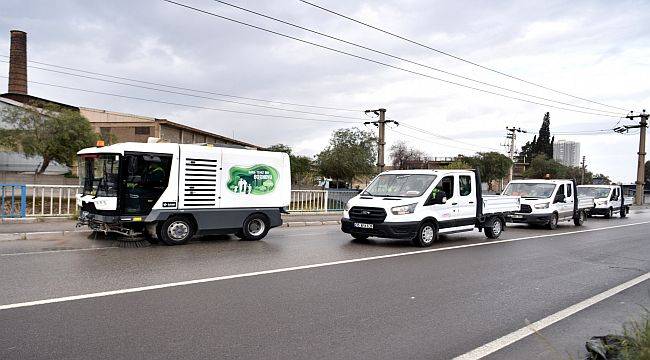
566 152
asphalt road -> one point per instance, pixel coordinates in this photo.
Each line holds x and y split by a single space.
325 297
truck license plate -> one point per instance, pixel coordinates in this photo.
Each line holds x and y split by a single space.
363 226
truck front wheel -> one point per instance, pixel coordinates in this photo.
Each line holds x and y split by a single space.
177 230
580 217
493 228
427 234
552 222
610 213
255 227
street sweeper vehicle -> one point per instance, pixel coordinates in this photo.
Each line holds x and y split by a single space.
609 200
171 192
547 202
421 204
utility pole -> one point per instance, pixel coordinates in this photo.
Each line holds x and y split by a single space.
640 172
512 136
582 181
381 140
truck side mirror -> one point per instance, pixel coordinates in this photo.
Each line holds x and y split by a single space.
559 198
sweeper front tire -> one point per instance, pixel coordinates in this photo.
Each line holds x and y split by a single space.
177 230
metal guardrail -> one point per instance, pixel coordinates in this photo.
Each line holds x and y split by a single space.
13 200
51 200
33 200
320 200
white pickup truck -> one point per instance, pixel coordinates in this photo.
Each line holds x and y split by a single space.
609 200
420 204
547 202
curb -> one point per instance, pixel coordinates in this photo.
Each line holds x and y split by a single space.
41 235
44 235
310 223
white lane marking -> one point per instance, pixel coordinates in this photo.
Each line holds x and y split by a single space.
58 251
287 269
515 336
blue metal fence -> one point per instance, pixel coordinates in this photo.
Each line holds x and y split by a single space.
9 200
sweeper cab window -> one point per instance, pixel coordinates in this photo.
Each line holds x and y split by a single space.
144 179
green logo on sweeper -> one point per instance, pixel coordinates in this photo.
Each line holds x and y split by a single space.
255 180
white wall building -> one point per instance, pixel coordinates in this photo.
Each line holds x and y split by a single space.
566 152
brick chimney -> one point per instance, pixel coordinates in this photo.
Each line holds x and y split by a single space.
18 63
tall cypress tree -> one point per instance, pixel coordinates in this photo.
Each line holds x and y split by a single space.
542 143
544 139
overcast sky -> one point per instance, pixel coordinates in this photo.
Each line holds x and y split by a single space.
598 50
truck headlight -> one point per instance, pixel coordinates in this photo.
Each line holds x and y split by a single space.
347 206
542 206
601 202
404 209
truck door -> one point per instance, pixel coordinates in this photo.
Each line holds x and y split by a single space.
446 213
569 202
615 200
563 204
466 200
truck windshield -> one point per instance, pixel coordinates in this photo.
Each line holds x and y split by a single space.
399 185
98 174
592 191
530 190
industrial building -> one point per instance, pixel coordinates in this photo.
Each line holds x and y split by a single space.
112 126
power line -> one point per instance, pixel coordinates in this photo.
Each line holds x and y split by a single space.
188 89
374 61
431 142
185 105
444 137
191 95
457 57
405 60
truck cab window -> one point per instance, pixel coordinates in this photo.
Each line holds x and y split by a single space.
446 184
569 192
465 185
560 192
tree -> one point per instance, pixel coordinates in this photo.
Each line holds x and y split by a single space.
541 166
458 164
542 143
350 153
494 166
301 166
48 130
402 155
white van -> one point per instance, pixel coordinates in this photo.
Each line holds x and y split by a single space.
609 200
420 204
170 192
547 202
